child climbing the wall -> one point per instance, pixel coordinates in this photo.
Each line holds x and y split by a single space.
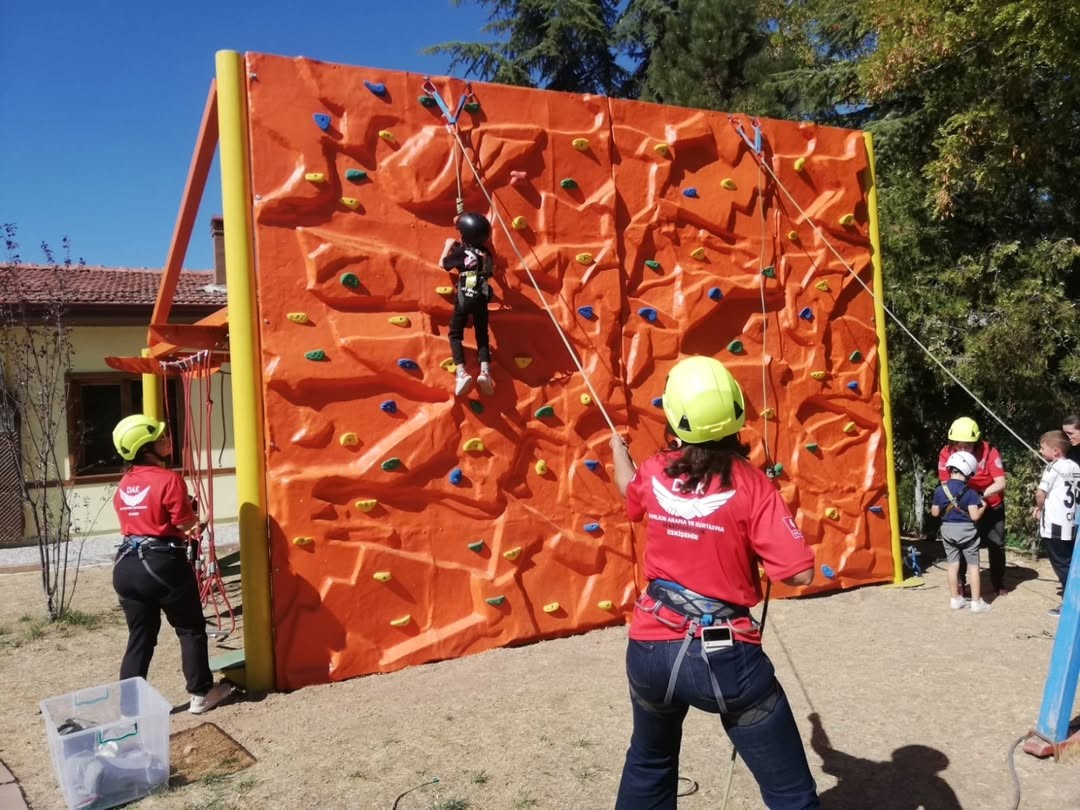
1055 504
472 259
959 507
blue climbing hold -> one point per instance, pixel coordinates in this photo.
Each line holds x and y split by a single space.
648 313
389 406
877 510
586 312
658 402
591 527
827 572
455 476
690 192
322 121
716 293
806 314
407 364
378 88
854 386
592 464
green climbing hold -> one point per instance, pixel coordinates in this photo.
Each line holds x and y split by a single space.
652 264
355 175
316 354
543 411
769 272
428 101
496 600
812 447
391 463
856 356
778 468
569 183
472 107
477 546
477 407
735 346
350 280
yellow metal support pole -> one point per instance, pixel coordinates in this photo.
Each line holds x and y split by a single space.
151 393
883 362
246 376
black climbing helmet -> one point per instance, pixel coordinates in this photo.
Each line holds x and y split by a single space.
474 228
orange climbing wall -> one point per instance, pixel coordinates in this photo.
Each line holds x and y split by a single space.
392 543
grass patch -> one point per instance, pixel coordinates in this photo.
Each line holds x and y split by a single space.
78 618
582 742
586 773
479 777
356 775
451 804
523 801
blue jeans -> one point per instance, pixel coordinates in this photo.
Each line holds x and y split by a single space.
767 741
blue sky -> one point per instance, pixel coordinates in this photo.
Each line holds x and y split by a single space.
100 103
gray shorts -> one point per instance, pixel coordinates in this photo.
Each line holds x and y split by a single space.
960 539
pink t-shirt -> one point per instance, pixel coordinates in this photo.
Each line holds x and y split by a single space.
711 541
153 502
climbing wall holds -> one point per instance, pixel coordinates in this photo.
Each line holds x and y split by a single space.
800 164
522 360
349 439
366 504
428 101
877 510
715 293
355 175
518 177
591 527
297 317
473 445
399 320
777 469
378 88
854 386
698 253
472 107
584 258
735 347
847 220
477 546
316 355
819 375
322 121
541 467
350 280
856 356
569 183
581 144
592 464
662 149
315 177
401 621
388 406
495 601
658 402
518 223
827 572
448 365
606 604
849 428
350 202
652 264
768 413
391 464
648 313
455 476
586 313
823 286
586 399
303 541
811 447
381 576
513 553
832 513
728 183
769 272
551 607
476 406
544 411
806 314
386 135
690 192
407 364
793 236
444 290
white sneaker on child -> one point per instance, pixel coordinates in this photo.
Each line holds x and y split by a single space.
958 602
204 703
463 382
980 607
485 383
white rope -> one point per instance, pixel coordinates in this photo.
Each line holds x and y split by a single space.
510 237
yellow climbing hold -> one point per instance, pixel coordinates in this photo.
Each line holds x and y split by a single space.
315 177
449 365
349 439
793 236
607 604
444 290
768 413
303 541
800 163
551 607
581 144
473 445
541 467
401 621
366 504
381 576
519 223
522 360
513 554
662 149
849 427
847 219
584 258
297 317
400 320
818 375
832 513
586 399
698 253
350 202
386 135
728 183
823 286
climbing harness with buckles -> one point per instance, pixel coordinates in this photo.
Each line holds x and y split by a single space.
139 544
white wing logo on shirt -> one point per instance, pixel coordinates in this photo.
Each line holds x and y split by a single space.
689 508
131 501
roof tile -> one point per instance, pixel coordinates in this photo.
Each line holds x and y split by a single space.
78 285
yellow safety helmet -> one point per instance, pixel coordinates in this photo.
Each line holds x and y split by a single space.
964 429
703 401
134 432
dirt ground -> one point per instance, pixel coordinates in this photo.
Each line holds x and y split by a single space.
918 707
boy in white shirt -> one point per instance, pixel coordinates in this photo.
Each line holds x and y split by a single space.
1055 504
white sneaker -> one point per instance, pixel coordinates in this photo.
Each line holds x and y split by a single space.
958 602
980 607
204 703
464 383
485 383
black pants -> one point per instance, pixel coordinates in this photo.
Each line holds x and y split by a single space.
143 599
991 528
463 308
1060 553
